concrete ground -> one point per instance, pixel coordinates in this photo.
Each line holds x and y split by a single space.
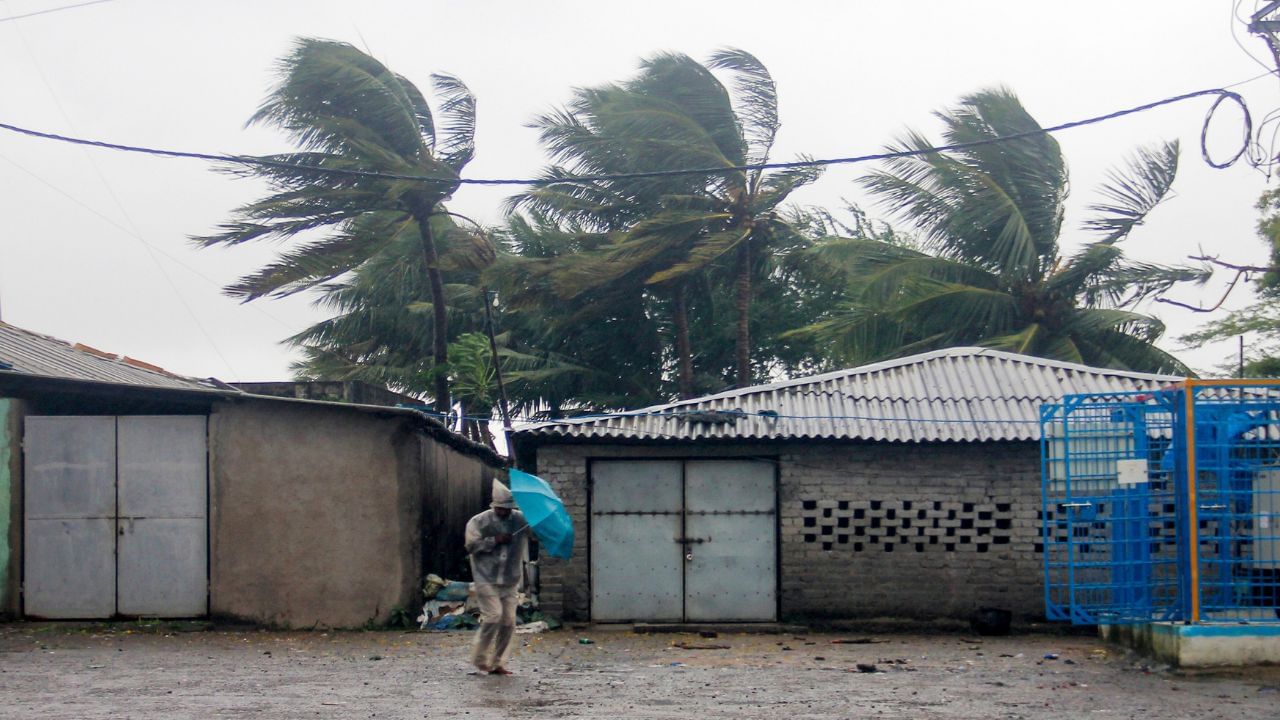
162 671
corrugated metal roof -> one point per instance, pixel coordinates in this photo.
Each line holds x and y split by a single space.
26 352
957 394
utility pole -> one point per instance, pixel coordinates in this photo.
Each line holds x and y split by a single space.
1265 23
497 366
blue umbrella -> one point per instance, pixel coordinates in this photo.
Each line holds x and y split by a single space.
545 513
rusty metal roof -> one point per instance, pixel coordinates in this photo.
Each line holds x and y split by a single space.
962 394
26 352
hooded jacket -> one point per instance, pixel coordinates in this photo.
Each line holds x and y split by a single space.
491 563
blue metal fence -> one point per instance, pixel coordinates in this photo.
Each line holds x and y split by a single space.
1164 505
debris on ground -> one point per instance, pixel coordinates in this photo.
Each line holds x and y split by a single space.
455 590
433 585
452 605
622 675
700 646
856 641
866 668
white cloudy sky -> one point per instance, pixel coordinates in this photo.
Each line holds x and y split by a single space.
93 243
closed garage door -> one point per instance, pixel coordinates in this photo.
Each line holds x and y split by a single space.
683 540
115 517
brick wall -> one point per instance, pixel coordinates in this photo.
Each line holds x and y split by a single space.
911 530
867 530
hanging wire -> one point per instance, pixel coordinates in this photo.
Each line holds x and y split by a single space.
1247 134
1222 95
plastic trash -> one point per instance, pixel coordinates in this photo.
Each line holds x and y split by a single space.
433 585
524 615
434 610
454 590
534 627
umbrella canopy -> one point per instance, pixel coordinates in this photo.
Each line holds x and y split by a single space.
545 513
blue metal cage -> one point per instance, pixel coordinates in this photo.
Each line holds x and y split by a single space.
1163 505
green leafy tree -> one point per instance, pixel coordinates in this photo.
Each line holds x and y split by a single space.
660 236
376 331
990 270
347 111
376 334
604 350
1261 318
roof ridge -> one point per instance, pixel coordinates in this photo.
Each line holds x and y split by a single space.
55 357
917 359
813 385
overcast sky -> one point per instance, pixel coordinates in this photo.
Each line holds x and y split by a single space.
93 243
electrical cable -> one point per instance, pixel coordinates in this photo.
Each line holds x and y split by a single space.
1255 78
1204 132
1221 93
107 219
120 206
53 10
1235 18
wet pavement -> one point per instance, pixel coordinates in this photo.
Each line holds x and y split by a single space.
160 671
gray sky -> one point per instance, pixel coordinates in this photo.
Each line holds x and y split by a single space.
93 243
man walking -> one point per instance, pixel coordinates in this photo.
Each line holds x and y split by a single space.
496 541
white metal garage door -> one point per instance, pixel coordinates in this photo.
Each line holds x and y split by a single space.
115 517
676 540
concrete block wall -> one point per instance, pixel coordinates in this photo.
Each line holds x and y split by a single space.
903 530
866 530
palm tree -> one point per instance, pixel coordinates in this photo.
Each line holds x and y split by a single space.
603 352
375 334
375 331
992 271
660 232
348 112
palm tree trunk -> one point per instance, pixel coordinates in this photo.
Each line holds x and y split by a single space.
742 301
684 355
421 210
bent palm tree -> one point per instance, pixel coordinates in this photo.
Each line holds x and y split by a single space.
990 218
347 111
659 232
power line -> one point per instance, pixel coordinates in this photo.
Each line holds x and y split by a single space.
1221 94
53 10
1255 78
132 233
151 252
1235 17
